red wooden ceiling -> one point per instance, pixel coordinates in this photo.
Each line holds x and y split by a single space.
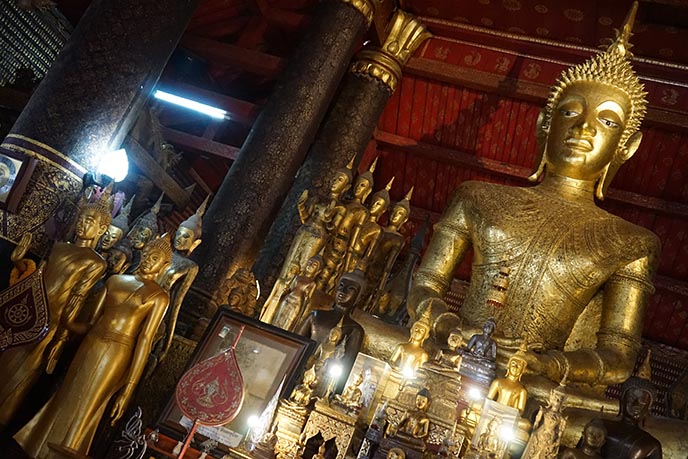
445 124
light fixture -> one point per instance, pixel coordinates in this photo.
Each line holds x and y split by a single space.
114 164
206 109
474 394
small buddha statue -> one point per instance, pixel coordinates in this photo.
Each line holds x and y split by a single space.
396 453
118 257
382 259
366 236
590 444
489 438
109 361
303 393
509 390
281 285
318 323
479 356
326 350
410 356
145 228
117 229
293 307
239 292
352 396
72 269
626 438
355 213
563 251
548 428
178 277
414 426
450 357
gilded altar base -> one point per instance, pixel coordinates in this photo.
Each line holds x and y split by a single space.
330 423
290 419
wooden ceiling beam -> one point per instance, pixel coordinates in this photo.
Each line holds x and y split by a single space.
199 144
463 159
519 89
251 61
238 110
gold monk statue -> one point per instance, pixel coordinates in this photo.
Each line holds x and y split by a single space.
366 235
71 271
564 253
355 213
109 361
119 226
182 271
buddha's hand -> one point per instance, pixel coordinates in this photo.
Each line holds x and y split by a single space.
544 364
121 403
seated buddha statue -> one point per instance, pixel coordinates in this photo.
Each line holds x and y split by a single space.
303 393
564 253
480 354
509 390
414 426
625 436
450 356
352 396
410 356
590 444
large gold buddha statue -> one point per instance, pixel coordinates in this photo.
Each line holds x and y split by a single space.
71 271
567 257
109 361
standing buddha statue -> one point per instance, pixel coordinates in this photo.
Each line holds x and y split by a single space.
145 228
72 269
117 229
178 277
565 253
109 361
355 213
388 247
365 237
548 428
293 307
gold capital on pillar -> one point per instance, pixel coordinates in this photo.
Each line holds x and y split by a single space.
365 7
405 36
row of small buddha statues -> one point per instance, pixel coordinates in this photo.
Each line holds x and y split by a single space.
113 294
338 236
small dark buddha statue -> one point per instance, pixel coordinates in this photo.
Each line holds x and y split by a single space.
590 444
626 438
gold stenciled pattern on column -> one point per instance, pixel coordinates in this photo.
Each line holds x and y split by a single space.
365 7
385 64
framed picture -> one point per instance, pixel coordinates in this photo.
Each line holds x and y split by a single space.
15 172
270 359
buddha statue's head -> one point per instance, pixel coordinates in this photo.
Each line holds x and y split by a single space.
380 201
594 434
364 183
420 330
118 257
517 364
342 178
313 266
396 453
401 211
156 256
423 399
145 227
94 218
454 339
489 326
117 228
637 395
309 376
349 288
188 235
590 124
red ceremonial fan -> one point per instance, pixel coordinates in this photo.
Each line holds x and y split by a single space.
211 392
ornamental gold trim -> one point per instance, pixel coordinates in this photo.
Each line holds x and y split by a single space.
42 158
365 7
65 158
406 34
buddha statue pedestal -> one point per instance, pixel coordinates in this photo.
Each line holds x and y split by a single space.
330 423
290 419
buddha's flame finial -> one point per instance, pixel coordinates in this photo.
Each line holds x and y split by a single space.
409 194
350 165
156 207
622 42
389 184
373 165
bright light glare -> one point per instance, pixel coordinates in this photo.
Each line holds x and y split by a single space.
253 421
114 164
408 373
190 104
506 433
474 393
336 371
